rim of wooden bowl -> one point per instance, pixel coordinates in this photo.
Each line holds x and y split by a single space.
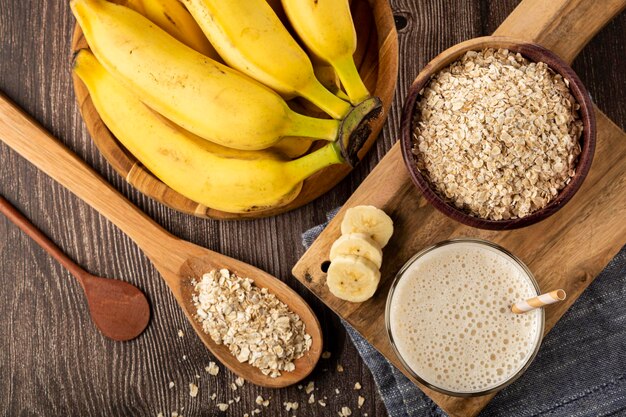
378 68
533 52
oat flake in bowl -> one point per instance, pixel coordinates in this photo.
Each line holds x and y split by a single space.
497 135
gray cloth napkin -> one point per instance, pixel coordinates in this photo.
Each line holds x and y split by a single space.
580 370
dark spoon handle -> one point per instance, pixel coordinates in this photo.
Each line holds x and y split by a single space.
42 240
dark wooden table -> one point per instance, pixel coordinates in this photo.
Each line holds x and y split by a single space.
54 362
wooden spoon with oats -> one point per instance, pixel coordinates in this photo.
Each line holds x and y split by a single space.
178 261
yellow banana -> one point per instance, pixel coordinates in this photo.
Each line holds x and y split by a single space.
280 12
327 29
173 17
292 147
329 79
203 96
324 72
251 38
215 176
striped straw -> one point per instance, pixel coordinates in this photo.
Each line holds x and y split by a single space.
539 301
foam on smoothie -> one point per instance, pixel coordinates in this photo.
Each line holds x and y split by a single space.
451 318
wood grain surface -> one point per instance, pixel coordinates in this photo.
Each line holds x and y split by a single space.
52 360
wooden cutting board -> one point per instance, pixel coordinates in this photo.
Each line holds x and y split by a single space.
567 250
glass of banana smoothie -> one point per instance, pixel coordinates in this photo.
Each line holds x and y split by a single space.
450 322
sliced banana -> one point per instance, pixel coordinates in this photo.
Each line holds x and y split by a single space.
368 220
352 278
357 244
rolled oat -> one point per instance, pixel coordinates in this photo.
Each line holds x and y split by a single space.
212 369
256 327
497 135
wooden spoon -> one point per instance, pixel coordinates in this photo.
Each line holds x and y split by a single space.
119 310
178 261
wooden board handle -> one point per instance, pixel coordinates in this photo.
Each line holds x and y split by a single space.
563 26
25 136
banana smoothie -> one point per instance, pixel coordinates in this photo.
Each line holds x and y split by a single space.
450 320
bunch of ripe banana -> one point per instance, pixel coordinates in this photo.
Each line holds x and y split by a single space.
197 91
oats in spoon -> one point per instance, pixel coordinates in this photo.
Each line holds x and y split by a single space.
256 327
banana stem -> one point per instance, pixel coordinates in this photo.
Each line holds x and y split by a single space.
356 129
317 94
350 79
312 127
342 95
305 166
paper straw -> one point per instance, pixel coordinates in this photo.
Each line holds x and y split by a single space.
539 301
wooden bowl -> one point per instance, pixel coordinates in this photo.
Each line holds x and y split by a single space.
377 60
535 53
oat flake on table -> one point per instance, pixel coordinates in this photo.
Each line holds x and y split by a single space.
256 327
497 135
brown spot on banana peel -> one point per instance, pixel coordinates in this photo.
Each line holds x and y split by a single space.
283 201
75 55
168 17
355 128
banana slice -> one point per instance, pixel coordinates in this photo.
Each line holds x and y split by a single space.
368 220
357 244
352 278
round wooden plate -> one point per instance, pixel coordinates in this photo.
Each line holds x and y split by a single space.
377 60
